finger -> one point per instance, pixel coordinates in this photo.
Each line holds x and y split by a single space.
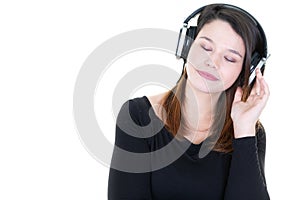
265 88
238 94
256 88
259 78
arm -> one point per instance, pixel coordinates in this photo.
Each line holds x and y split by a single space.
246 176
125 185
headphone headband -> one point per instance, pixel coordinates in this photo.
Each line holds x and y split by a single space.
199 10
184 30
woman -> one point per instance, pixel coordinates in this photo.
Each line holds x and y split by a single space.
213 109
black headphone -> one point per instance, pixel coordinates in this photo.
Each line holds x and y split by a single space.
188 34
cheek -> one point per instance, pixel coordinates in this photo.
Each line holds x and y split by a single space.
230 76
190 72
197 56
193 78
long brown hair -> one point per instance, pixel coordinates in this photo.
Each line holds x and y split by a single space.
252 39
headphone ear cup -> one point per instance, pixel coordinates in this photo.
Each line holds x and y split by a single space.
188 41
254 61
180 42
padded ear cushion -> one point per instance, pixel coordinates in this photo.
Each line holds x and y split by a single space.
189 39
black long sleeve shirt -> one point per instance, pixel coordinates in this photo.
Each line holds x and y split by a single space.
217 176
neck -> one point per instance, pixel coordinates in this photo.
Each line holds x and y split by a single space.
198 109
200 102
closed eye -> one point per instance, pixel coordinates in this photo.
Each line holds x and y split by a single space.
206 48
230 59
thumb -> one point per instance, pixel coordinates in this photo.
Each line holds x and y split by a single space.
238 94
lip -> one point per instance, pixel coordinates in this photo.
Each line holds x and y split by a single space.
207 75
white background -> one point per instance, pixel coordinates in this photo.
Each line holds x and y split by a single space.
43 45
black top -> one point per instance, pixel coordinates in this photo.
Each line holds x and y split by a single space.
232 176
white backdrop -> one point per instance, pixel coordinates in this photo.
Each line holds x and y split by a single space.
42 48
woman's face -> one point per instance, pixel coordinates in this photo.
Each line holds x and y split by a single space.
215 58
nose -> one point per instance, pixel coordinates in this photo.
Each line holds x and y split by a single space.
209 63
212 60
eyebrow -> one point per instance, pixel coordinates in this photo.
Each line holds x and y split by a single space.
235 52
231 50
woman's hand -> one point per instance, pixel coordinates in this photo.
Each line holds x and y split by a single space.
245 114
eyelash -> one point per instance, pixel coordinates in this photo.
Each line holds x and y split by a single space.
205 48
227 59
230 60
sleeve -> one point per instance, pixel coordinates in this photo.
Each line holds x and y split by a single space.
246 176
124 185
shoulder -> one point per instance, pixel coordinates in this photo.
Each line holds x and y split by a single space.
156 102
157 99
138 107
141 110
130 134
134 108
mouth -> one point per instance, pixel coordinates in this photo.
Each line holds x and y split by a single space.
207 75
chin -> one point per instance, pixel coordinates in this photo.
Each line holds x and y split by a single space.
210 87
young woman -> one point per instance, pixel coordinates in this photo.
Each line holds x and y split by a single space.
212 108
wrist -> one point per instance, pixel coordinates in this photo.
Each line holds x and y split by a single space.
243 130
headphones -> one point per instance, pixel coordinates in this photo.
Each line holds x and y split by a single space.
188 33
